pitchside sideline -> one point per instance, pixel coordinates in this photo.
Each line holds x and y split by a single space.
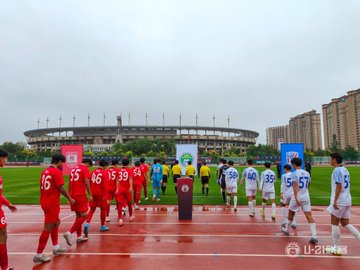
21 186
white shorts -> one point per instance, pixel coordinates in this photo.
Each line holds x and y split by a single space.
305 206
285 199
250 192
231 189
342 212
268 195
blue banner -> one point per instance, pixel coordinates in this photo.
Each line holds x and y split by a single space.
290 151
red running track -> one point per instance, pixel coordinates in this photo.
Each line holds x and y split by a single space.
216 238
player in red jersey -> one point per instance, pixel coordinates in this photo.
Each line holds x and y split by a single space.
51 185
3 232
79 183
111 186
145 169
124 190
99 179
137 183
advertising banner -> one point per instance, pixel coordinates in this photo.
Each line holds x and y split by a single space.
73 155
185 153
290 151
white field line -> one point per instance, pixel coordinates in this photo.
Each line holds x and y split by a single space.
195 196
68 216
214 255
191 235
185 223
165 213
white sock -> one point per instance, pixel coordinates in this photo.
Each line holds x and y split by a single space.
250 206
254 204
295 218
235 201
353 231
263 206
287 224
336 235
228 199
273 208
56 247
284 213
313 230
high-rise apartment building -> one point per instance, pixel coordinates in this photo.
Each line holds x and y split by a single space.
341 119
277 135
306 128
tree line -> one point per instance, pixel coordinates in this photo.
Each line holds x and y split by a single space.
164 148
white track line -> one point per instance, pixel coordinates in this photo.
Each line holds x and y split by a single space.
182 223
68 216
214 255
165 213
193 235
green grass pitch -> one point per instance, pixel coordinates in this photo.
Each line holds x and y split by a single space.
21 186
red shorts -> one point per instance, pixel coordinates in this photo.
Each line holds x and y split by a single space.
3 223
51 213
144 182
81 204
98 201
124 195
110 194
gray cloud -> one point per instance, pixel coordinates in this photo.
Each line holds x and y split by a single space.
259 62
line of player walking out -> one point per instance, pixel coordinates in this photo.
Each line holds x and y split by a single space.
89 191
294 192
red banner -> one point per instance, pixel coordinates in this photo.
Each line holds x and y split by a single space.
73 155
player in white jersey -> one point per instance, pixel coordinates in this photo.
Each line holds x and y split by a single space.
251 178
231 180
340 203
286 192
267 188
300 199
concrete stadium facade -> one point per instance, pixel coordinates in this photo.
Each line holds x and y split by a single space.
102 138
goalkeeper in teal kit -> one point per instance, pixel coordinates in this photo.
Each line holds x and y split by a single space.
156 177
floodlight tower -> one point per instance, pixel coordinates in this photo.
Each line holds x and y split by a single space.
119 130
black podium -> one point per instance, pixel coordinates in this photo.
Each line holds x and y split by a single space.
185 198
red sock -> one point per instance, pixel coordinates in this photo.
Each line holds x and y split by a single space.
108 209
130 208
137 197
145 190
119 208
55 236
90 215
77 224
102 215
79 231
3 257
44 237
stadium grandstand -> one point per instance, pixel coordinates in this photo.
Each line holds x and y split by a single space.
102 138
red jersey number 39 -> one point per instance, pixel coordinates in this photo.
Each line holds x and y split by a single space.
123 176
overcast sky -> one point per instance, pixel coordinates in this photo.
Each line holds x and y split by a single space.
259 62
